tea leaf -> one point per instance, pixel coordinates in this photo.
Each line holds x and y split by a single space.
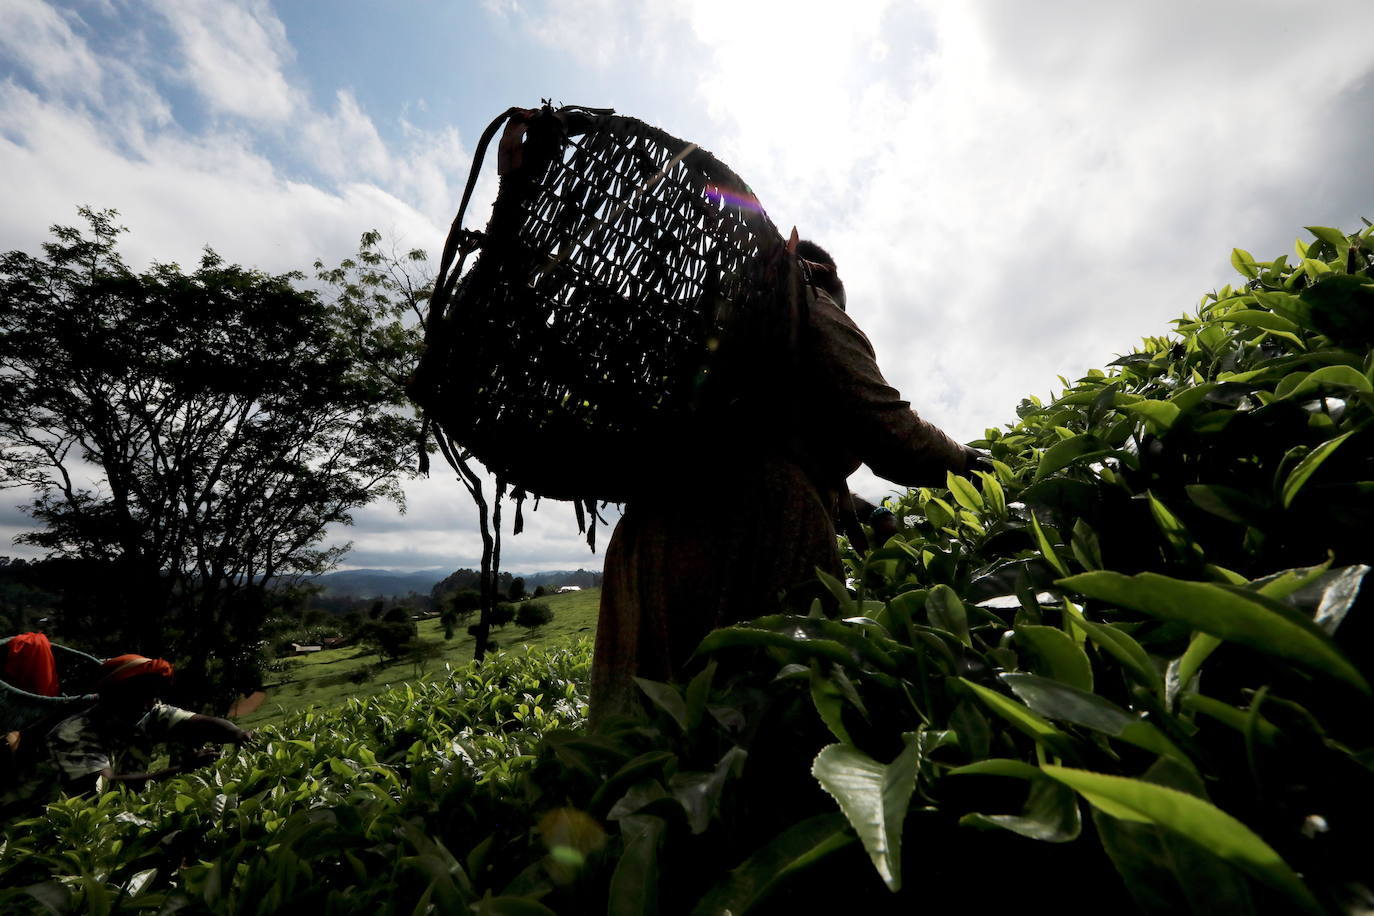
1185 667
1079 707
963 491
1238 719
1120 645
971 729
829 702
1194 818
1158 415
994 497
667 698
1308 466
1168 873
699 793
791 851
837 588
1051 810
1020 716
939 513
874 798
634 884
1069 451
1046 549
1180 541
947 613
1334 237
1259 319
139 882
1339 589
1227 502
808 646
1057 654
1228 612
1085 546
1331 377
1244 263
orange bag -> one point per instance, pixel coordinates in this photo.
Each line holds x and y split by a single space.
30 665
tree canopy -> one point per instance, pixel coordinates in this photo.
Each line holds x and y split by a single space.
194 433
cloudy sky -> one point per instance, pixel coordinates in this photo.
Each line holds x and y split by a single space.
1013 191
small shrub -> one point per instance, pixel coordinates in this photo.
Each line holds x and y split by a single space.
533 614
389 638
502 614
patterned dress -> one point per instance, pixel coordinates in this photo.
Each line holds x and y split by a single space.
746 519
80 746
90 741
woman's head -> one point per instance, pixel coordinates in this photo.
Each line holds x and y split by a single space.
133 680
823 271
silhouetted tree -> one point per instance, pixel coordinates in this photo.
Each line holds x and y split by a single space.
198 432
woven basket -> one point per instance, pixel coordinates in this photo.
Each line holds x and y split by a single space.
76 673
629 294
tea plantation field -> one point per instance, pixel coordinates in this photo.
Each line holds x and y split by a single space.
331 677
1127 667
357 809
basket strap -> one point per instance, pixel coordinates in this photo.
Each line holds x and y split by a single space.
443 284
574 117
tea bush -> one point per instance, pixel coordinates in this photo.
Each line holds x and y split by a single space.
351 811
1129 666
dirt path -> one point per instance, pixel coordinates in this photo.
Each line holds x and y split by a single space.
247 705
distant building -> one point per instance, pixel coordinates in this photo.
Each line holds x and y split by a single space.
569 588
298 649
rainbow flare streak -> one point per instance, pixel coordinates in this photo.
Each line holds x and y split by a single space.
717 194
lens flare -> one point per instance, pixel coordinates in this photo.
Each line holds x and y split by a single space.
717 194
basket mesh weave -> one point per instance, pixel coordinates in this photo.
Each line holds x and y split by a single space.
627 286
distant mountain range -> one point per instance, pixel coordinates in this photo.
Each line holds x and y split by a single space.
377 583
384 583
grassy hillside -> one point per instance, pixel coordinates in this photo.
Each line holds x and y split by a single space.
331 677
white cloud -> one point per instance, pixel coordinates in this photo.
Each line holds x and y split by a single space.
233 54
1013 191
179 193
180 190
440 526
1069 177
40 40
423 167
